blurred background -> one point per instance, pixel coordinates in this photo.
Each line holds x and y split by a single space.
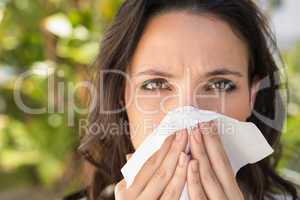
46 47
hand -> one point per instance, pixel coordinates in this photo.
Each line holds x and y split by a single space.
210 175
162 176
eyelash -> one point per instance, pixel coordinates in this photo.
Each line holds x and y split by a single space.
222 85
151 81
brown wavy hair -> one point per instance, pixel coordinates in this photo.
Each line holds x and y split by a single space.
106 152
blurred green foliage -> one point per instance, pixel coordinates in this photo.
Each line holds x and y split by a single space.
60 35
291 136
38 36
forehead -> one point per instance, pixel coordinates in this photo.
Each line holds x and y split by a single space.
179 39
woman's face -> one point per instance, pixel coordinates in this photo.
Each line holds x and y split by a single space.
186 59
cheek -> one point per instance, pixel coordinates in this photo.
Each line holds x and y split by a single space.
141 124
144 114
238 105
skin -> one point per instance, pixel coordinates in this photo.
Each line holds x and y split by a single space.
186 52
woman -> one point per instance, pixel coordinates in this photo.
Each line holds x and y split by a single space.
161 54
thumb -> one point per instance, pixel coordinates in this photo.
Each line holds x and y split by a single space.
128 156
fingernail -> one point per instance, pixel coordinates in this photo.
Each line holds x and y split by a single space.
212 123
196 135
214 127
178 135
182 159
195 166
128 156
204 127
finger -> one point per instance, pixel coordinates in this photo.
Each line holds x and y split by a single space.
163 174
128 156
118 190
211 185
195 188
176 184
220 162
150 166
120 185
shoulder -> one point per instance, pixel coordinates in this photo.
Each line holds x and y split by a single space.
282 197
78 195
82 194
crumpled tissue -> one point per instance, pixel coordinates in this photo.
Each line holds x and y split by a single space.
243 142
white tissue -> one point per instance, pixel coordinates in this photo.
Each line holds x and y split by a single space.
243 142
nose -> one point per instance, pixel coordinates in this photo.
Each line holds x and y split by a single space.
188 98
188 95
191 95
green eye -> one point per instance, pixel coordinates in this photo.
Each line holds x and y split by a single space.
156 84
221 85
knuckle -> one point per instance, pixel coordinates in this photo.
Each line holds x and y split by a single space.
225 161
174 151
178 175
213 178
152 161
161 174
175 148
207 176
222 161
169 193
195 180
201 154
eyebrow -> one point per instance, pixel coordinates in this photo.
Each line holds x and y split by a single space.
220 71
155 72
223 71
